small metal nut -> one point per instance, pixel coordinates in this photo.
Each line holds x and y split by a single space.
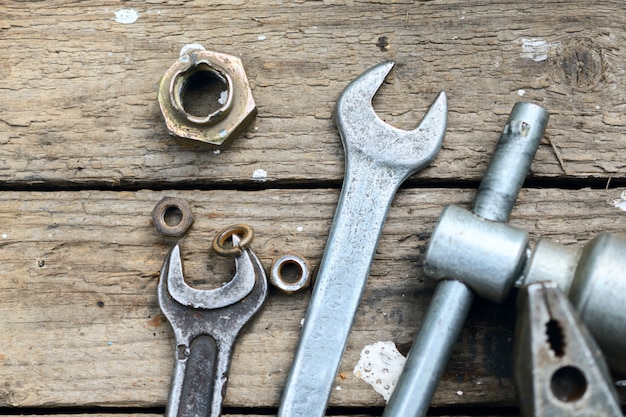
160 212
237 107
304 277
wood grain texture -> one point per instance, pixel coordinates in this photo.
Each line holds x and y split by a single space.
78 116
81 325
159 415
78 103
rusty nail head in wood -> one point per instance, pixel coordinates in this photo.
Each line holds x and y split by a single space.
237 107
160 211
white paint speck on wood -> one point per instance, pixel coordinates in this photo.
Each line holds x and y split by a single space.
537 49
126 16
259 175
380 366
620 203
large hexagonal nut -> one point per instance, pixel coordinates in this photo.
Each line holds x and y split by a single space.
225 116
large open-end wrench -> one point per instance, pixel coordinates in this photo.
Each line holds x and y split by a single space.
378 158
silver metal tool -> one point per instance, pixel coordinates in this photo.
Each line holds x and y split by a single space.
233 291
559 370
379 158
592 277
490 269
205 336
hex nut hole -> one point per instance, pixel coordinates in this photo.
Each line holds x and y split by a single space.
290 272
203 91
172 216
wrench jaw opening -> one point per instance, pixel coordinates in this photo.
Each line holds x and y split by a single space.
236 289
365 134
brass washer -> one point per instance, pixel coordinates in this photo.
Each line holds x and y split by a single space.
244 231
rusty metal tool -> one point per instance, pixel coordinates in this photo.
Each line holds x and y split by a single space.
218 122
379 158
592 277
559 369
205 334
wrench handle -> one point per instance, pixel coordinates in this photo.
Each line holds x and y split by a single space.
194 379
365 199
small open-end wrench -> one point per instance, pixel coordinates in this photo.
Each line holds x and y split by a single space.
559 369
378 158
205 335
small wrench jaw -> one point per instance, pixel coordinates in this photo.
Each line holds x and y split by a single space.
230 293
362 131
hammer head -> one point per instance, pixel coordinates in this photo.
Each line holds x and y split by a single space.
364 133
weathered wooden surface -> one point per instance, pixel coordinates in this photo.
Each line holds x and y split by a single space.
159 415
80 324
77 94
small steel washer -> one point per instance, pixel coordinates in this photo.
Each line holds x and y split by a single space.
276 276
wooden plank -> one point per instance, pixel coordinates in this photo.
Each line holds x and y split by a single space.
78 104
160 415
81 325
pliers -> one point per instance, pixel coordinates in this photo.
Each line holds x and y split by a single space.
559 369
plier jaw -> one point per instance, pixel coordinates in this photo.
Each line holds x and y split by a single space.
559 369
